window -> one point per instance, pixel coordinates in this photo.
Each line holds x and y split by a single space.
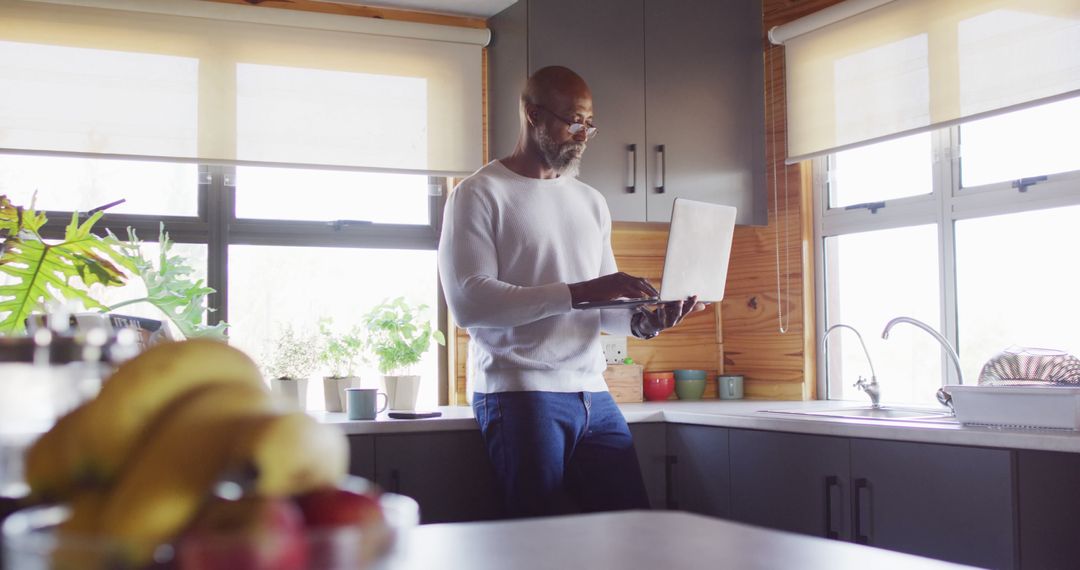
298 160
289 262
970 229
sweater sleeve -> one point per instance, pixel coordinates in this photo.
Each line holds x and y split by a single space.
612 321
469 268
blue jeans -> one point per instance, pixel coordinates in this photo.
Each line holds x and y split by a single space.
551 447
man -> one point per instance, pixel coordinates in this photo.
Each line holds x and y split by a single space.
523 243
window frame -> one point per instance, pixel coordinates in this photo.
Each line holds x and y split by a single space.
217 227
947 203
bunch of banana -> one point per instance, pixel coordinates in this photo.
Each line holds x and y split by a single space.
87 446
138 463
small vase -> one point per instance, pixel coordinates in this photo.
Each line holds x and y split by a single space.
292 389
402 391
334 391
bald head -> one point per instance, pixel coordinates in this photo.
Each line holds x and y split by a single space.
556 105
553 85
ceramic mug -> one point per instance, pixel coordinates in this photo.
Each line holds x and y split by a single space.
363 403
730 386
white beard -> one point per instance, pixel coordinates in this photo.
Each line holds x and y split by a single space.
565 160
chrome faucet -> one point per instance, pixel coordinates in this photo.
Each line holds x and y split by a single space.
942 395
871 388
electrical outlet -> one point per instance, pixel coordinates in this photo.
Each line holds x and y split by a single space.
614 348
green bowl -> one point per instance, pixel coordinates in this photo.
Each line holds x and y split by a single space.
685 374
690 389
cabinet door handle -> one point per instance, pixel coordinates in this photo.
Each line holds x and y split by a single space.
861 536
631 168
395 481
660 169
669 481
831 482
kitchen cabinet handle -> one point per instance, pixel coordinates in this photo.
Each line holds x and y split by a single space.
660 169
631 168
858 487
395 481
669 481
831 482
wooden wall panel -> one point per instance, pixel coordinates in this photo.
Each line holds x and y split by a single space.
776 364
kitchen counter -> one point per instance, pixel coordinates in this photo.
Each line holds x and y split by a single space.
634 540
748 414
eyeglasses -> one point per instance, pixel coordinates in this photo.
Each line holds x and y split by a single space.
573 126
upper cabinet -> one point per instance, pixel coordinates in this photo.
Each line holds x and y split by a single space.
678 94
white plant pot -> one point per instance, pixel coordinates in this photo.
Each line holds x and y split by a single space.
334 391
402 391
291 389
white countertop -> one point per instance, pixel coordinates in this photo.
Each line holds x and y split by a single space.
748 414
634 540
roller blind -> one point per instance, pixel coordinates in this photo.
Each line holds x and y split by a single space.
887 69
210 82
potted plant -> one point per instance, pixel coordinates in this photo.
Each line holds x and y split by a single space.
63 271
397 337
294 358
339 352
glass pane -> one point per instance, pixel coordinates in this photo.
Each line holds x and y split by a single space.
1032 142
271 287
68 184
884 171
318 195
1016 284
871 278
193 253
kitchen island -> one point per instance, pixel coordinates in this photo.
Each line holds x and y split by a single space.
634 540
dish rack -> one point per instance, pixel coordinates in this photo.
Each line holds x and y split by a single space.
1023 388
1043 407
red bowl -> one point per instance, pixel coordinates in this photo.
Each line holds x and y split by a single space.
658 386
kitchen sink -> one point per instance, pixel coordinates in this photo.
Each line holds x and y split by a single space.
882 413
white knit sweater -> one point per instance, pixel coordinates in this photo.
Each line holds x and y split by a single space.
509 247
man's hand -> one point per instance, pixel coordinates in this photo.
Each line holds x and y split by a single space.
610 287
647 324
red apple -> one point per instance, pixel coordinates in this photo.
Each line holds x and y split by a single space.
249 534
339 507
347 528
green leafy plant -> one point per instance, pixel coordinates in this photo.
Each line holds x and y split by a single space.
41 272
170 287
294 356
62 271
397 335
339 351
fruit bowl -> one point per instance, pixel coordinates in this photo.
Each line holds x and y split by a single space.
31 542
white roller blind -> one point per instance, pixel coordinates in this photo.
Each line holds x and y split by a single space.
211 82
912 65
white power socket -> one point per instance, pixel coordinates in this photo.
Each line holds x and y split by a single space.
614 348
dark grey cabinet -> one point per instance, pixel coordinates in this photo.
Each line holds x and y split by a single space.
677 91
447 472
705 114
1048 484
793 482
698 474
941 501
362 456
651 446
602 41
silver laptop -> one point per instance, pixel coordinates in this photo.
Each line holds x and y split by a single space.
696 262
